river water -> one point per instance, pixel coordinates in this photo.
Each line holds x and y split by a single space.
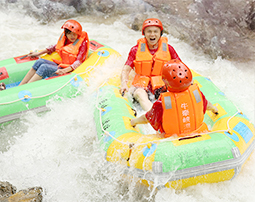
58 150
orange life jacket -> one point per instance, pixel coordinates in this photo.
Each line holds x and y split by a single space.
183 112
70 52
148 67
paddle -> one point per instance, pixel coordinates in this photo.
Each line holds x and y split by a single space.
21 58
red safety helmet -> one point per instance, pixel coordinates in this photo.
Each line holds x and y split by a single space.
73 26
152 22
176 75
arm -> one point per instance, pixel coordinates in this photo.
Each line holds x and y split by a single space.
208 105
154 117
48 50
124 78
64 71
81 57
212 108
139 120
173 53
36 54
127 69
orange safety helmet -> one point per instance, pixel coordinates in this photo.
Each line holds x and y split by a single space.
176 75
73 26
152 22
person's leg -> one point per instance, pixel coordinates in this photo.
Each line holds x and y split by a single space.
142 97
32 71
28 76
47 69
41 69
35 77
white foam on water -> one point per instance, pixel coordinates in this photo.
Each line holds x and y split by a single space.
58 150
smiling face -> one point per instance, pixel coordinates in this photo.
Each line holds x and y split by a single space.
152 35
72 36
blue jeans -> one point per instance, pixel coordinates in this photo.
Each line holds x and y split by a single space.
45 68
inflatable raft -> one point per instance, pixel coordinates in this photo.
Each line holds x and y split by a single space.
16 100
175 162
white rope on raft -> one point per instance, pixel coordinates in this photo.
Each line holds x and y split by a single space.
133 145
45 95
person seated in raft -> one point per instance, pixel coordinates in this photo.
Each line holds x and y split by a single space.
180 110
147 59
73 48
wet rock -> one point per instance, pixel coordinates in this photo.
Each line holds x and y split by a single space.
104 6
218 28
77 4
67 2
136 24
136 21
32 194
250 10
49 11
172 7
8 194
12 1
252 24
6 189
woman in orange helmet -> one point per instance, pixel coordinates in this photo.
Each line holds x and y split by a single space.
73 48
180 110
147 59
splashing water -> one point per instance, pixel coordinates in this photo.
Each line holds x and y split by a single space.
58 150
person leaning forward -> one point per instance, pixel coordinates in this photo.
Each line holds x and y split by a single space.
180 110
147 59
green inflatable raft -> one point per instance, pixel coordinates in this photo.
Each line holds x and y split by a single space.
16 100
209 157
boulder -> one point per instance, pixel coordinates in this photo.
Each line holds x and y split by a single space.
6 189
8 193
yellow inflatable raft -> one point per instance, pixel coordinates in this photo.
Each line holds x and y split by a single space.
175 162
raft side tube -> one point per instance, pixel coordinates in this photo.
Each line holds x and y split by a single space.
99 57
34 96
114 115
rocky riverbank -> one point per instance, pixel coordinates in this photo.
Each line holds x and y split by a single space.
8 193
218 28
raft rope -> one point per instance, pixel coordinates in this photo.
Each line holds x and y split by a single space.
133 145
74 77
